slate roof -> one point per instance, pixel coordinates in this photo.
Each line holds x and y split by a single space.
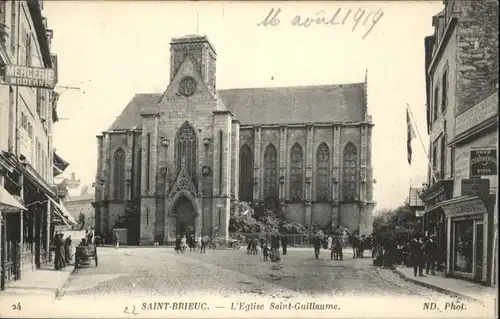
279 105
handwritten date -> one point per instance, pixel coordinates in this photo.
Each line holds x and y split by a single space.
368 20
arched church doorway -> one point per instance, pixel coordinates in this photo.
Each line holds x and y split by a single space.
185 212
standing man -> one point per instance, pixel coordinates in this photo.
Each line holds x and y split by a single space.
284 243
430 250
67 249
355 246
204 243
416 253
317 245
61 250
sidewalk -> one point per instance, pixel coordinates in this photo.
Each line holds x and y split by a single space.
43 282
451 286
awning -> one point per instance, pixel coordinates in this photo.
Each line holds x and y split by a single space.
63 213
8 203
463 206
32 175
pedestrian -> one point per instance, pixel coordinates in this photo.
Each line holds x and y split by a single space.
67 249
416 255
90 237
191 243
275 247
361 246
355 246
430 250
57 252
265 250
61 250
284 243
116 239
198 241
204 243
329 241
249 246
183 243
317 245
178 244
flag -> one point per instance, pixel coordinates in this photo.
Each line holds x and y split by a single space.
411 135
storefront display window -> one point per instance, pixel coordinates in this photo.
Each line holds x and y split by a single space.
463 256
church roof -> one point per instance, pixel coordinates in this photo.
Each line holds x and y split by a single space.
297 104
278 105
131 114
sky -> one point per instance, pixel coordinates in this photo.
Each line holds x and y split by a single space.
113 50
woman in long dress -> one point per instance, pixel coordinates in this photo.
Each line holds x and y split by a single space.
183 243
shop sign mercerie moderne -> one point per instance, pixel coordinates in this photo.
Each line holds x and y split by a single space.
29 76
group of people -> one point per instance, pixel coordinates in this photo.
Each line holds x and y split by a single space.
62 250
419 252
335 243
423 254
270 246
182 242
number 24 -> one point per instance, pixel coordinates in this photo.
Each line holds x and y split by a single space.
132 312
16 307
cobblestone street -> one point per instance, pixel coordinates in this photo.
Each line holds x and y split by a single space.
162 272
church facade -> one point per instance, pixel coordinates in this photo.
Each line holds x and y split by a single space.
173 162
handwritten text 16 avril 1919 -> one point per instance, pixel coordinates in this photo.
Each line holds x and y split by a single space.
360 17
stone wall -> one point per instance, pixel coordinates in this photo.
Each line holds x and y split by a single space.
477 52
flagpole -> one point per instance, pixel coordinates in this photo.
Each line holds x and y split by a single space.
422 142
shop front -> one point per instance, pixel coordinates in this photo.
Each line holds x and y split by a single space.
10 214
469 234
434 221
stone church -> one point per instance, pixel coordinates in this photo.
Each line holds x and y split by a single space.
173 162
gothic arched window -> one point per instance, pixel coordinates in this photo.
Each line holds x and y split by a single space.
296 172
186 146
119 174
270 172
246 174
322 172
350 168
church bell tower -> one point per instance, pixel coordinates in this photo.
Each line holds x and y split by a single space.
201 52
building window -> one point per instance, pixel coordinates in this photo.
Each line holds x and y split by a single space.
28 49
322 172
442 157
246 174
13 27
434 160
270 172
436 104
39 102
119 173
186 150
349 176
452 161
444 93
296 172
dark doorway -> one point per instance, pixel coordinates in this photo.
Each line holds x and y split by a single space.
478 272
185 212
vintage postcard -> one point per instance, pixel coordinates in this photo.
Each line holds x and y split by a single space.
249 159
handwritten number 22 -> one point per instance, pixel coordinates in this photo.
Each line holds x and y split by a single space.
133 311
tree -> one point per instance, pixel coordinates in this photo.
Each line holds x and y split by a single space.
81 220
397 224
264 217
